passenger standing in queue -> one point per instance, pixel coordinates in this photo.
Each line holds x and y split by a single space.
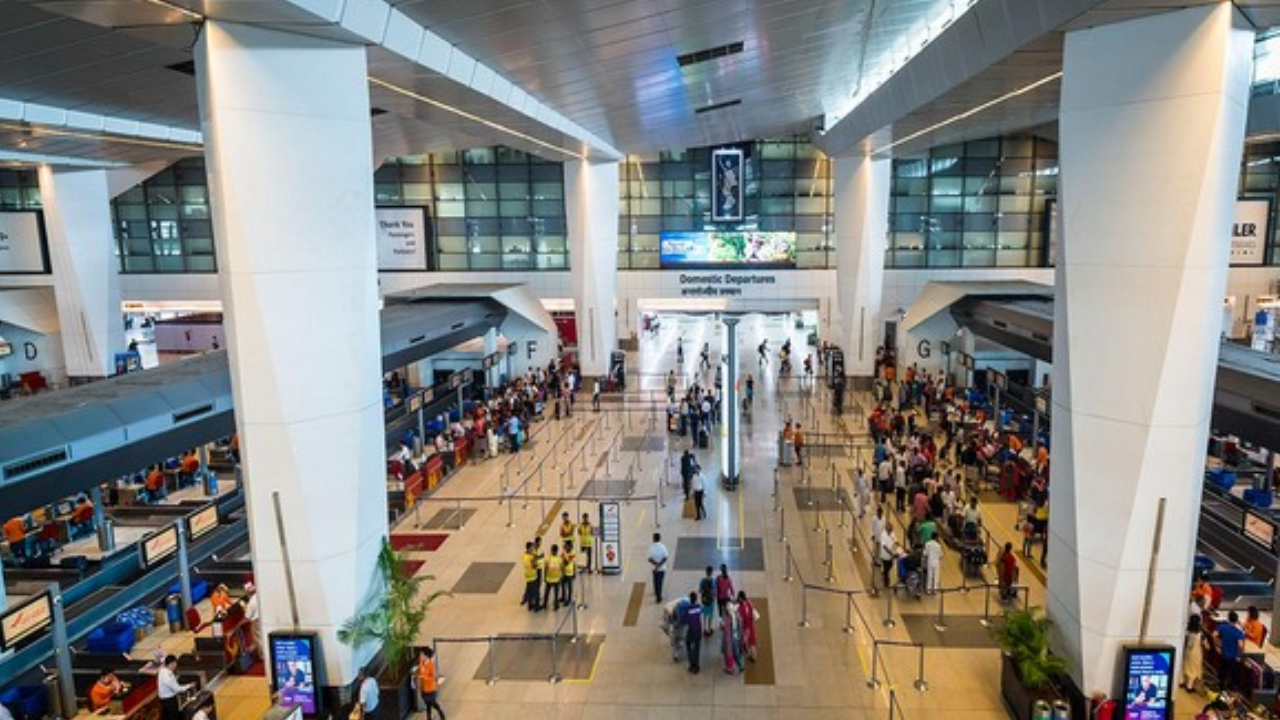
552 576
429 681
570 569
529 563
169 689
367 694
693 633
587 541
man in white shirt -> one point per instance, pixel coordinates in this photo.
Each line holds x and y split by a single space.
933 564
884 477
877 528
367 694
169 689
888 553
658 556
861 491
699 496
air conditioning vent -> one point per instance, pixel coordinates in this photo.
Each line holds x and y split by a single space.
195 412
702 56
718 106
13 471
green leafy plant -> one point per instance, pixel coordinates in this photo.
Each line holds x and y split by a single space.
1024 636
396 615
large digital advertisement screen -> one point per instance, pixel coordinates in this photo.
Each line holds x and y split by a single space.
293 661
727 249
1148 673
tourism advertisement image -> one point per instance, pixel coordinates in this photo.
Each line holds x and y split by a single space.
293 658
718 249
1148 672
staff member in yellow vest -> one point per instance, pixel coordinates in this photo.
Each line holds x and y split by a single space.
570 569
567 529
587 541
529 563
429 682
552 574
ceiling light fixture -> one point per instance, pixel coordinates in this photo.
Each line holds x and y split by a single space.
474 118
971 112
44 130
178 9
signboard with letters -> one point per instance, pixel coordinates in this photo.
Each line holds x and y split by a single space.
202 521
20 625
402 237
159 545
1250 230
23 247
610 538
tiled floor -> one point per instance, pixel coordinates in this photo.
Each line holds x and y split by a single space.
822 633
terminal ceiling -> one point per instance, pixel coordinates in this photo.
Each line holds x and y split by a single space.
567 78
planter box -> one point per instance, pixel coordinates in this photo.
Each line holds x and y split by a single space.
396 701
1017 696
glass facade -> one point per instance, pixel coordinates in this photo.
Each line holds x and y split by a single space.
786 187
976 204
19 190
493 208
163 225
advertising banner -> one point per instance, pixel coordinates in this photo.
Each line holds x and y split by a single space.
293 661
754 249
726 185
1148 675
22 243
610 538
402 238
1250 231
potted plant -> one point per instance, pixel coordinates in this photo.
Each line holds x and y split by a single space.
392 621
1029 669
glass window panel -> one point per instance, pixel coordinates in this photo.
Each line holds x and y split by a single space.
446 209
418 193
979 222
1012 240
980 241
552 262
1018 147
555 190
809 168
811 259
908 241
477 209
139 264
1016 166
944 240
485 261
415 173
513 208
646 261
451 244
194 194
983 148
162 195
777 150
447 173
979 258
195 212
452 262
138 229
548 208
131 212
947 186
810 223
170 264
450 191
1015 185
167 213
546 172
201 264
811 205
552 244
980 185
197 229
140 245
981 203
946 203
908 258
389 173
644 243
907 222
911 186
943 258
910 204
478 156
386 194
486 244
1014 222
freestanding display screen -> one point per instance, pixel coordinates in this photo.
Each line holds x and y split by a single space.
1148 675
745 249
294 662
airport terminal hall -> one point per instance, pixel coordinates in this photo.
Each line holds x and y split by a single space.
639 359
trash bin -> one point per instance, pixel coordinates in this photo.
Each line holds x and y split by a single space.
210 484
1040 710
53 693
107 535
173 611
1061 710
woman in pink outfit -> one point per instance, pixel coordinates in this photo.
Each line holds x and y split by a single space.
747 623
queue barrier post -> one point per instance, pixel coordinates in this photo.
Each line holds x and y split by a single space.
657 516
888 612
493 675
804 606
511 521
786 577
830 559
920 683
941 624
848 613
985 621
782 525
874 681
555 651
462 525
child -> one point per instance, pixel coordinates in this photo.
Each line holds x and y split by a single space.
1028 534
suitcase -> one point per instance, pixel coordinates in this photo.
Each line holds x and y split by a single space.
704 439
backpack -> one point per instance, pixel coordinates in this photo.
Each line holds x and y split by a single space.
707 591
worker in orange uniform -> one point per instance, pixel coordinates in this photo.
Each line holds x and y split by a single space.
429 681
190 465
82 516
104 690
155 484
15 531
220 599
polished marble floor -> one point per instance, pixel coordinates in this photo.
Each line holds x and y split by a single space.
823 627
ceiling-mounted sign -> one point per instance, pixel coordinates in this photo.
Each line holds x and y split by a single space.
1250 230
23 248
402 237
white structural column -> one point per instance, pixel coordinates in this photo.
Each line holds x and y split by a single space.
86 277
288 147
591 203
862 227
1152 128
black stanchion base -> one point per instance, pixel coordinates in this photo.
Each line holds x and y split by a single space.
729 482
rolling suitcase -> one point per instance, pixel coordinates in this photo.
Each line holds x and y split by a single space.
704 438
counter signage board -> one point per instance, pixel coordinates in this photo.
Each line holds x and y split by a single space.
159 545
23 249
467 376
1042 404
1250 230
455 380
402 238
202 521
428 395
21 624
610 538
1002 381
415 402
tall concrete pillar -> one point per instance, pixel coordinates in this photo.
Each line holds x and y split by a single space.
287 140
1152 128
591 203
86 276
731 449
491 347
861 191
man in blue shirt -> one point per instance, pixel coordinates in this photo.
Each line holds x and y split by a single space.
693 633
1231 640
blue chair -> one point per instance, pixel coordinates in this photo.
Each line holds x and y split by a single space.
26 702
112 639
